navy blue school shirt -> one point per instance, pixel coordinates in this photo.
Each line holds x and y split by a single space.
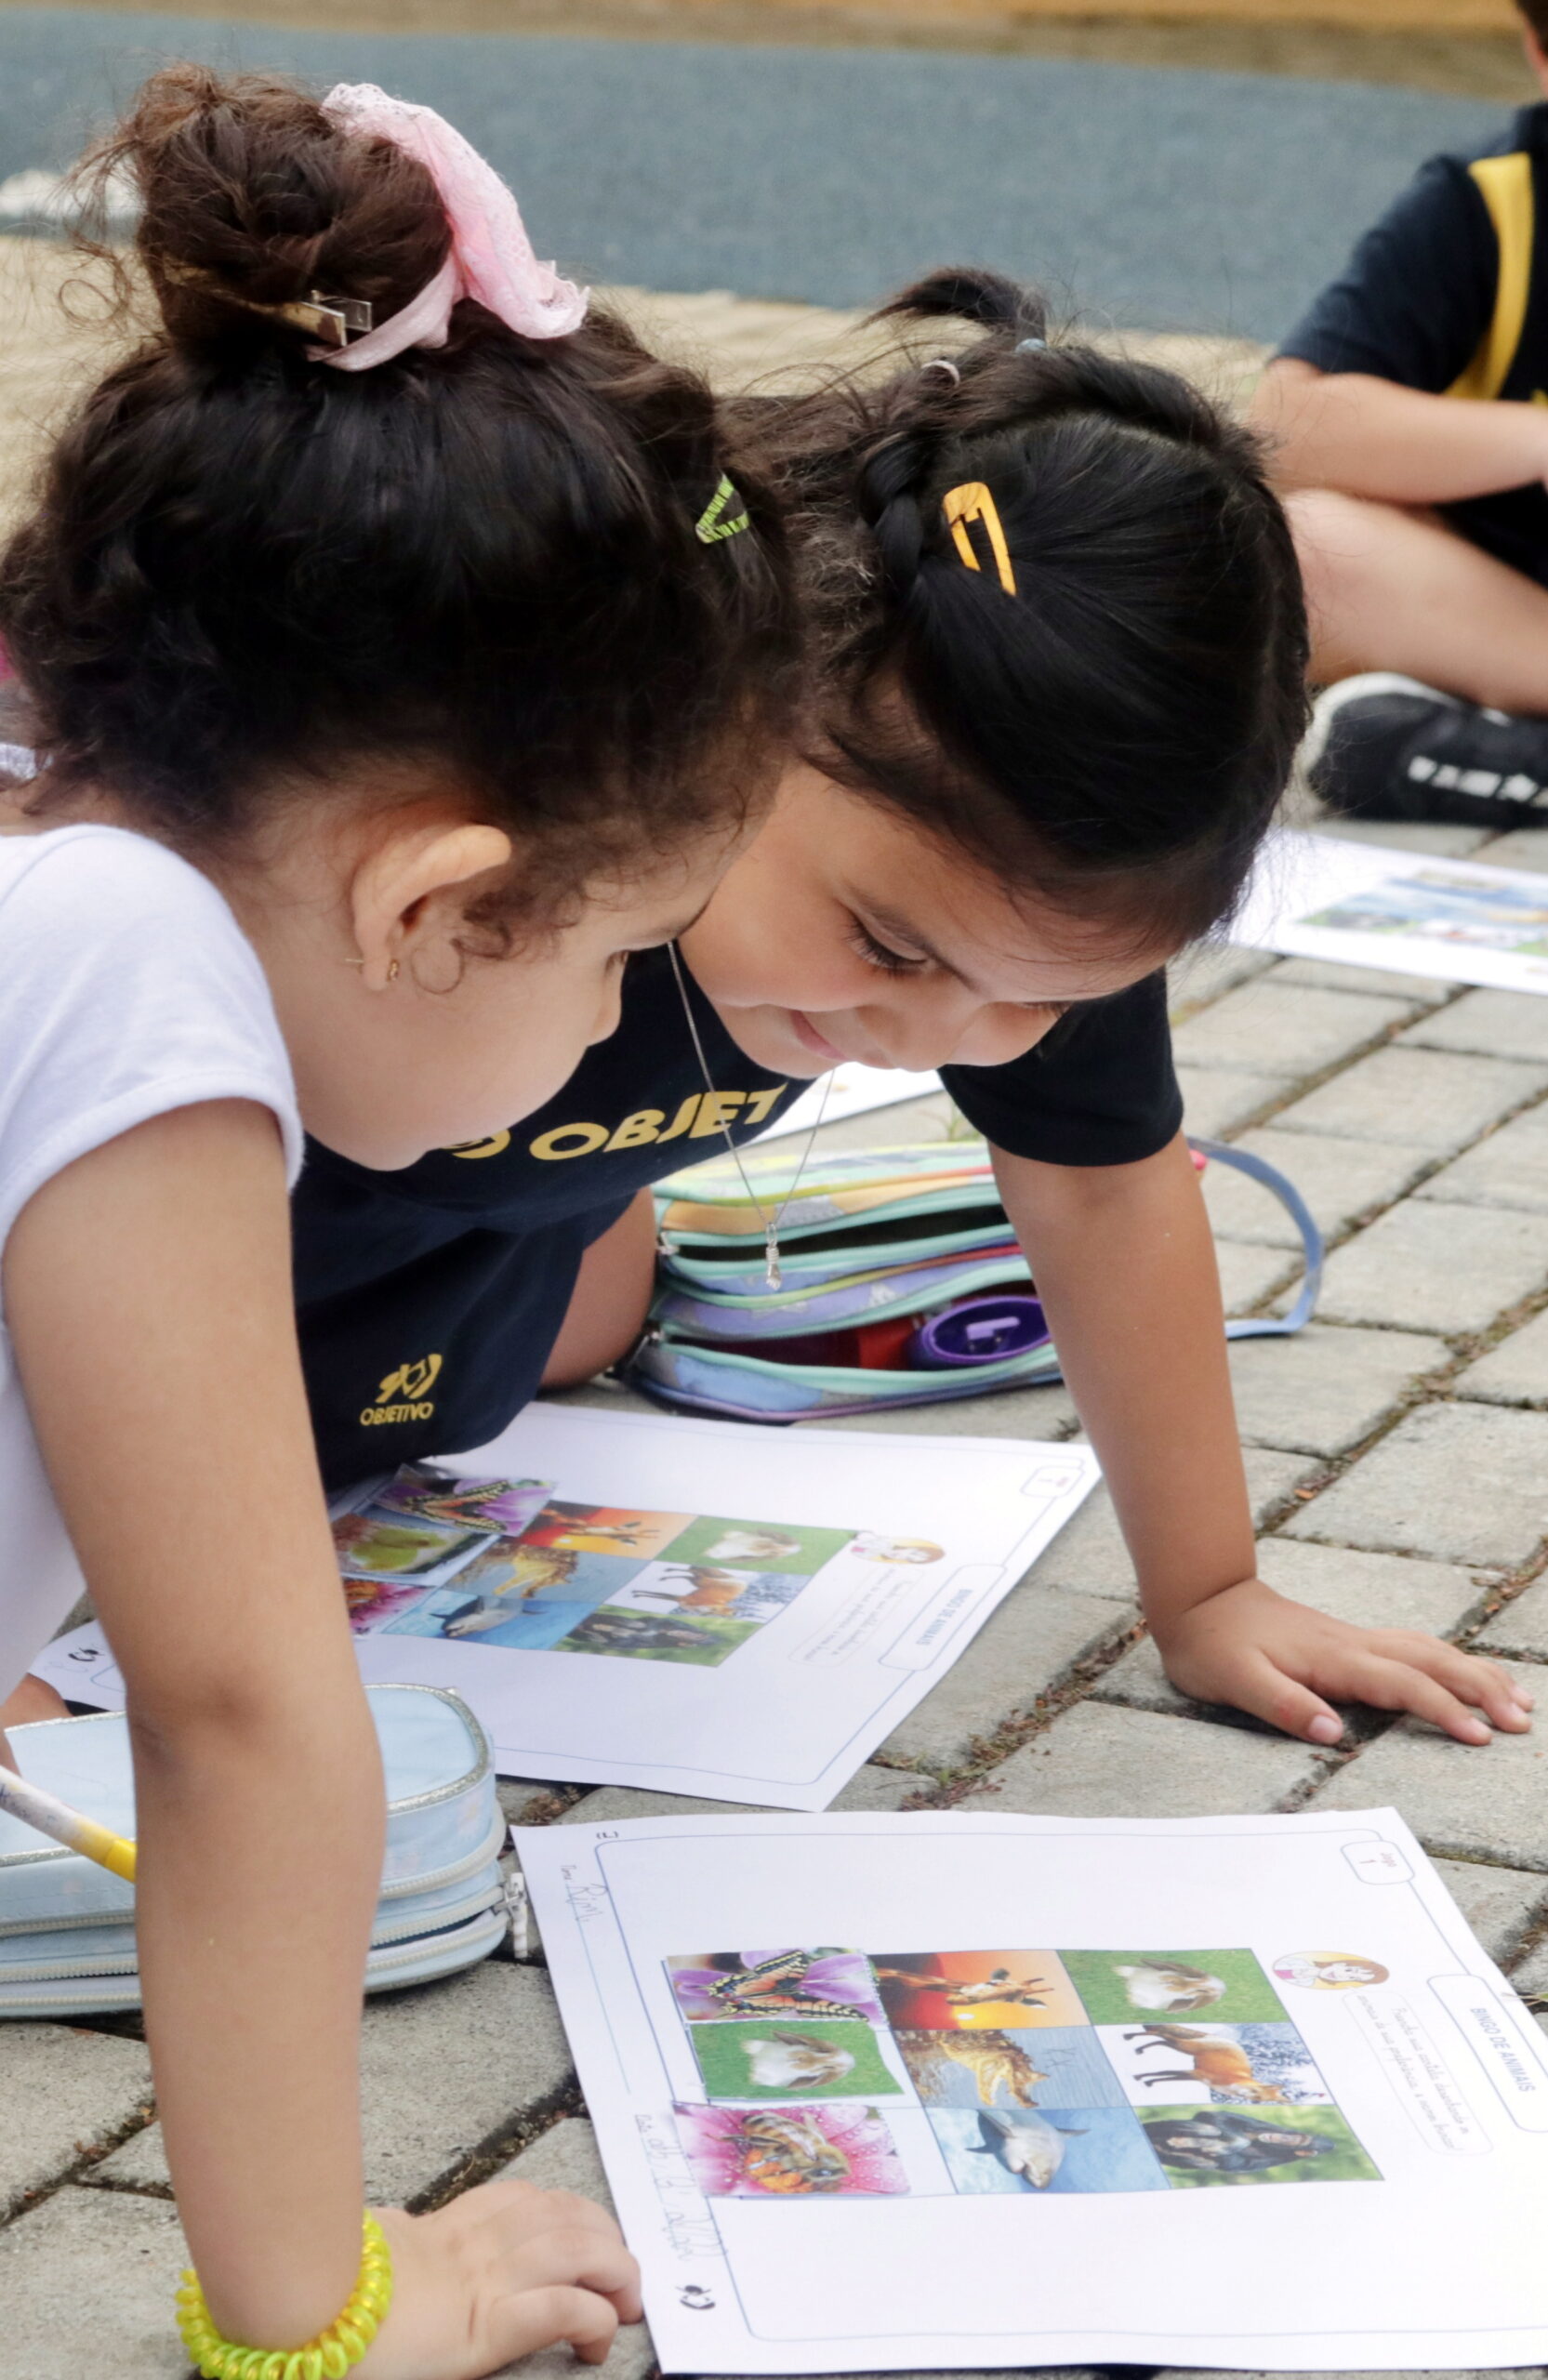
429 1299
1449 294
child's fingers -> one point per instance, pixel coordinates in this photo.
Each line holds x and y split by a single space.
1407 1685
1268 1692
1484 1684
575 2255
518 2324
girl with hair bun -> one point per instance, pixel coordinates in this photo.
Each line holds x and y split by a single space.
387 623
1055 667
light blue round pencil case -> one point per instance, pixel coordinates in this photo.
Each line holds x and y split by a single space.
67 1941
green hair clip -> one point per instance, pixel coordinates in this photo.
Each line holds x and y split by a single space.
710 527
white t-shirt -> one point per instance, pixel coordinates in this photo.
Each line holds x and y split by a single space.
126 990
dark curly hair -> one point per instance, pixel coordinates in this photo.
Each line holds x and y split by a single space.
246 571
1112 737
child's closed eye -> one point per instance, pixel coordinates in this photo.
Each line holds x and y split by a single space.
880 956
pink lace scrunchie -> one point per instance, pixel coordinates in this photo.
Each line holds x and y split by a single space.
491 257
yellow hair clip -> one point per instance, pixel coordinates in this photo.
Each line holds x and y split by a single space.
973 501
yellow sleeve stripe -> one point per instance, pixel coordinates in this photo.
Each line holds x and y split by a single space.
1506 185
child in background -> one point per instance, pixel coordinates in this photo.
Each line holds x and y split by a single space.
383 685
1056 683
1409 417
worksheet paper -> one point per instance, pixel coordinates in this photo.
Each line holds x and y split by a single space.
851 1090
1313 896
695 1606
946 2092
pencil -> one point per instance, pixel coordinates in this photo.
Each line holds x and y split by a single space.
37 1808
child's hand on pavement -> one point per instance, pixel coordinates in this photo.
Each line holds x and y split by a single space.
497 2274
1279 1660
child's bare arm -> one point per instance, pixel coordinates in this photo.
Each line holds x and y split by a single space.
1125 1266
149 1296
1394 445
148 1292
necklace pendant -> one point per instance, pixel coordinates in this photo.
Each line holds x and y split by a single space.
771 1273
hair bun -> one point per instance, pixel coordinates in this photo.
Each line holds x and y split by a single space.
252 198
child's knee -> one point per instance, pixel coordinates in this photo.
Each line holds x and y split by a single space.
1347 550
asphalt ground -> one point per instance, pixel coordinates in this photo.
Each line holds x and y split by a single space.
1156 197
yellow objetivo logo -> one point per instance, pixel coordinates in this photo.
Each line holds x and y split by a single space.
703 1115
491 1148
402 1394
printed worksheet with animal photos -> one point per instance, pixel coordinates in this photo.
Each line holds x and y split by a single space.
952 2091
695 1606
1316 896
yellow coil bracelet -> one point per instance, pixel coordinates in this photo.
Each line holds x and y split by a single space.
327 2356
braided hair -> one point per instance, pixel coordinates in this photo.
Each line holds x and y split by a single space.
1114 734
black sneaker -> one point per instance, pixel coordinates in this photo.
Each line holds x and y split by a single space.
1384 746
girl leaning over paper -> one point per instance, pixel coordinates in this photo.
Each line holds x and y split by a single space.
1056 656
355 792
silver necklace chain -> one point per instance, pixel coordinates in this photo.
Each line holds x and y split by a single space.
771 1273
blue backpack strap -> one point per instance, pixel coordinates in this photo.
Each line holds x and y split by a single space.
1267 1325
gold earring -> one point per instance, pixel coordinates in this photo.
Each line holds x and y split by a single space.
392 971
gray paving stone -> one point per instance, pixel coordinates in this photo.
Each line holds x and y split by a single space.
1089 1555
1520 1627
441 2068
521 1797
871 1787
88 2283
1172 2373
1207 971
1514 1373
1338 1180
1492 1024
1371 1590
1323 1390
1028 1647
874 1787
1436 1267
566 2158
1531 1978
1499 1904
63 2092
1332 975
1262 1029
1013 1413
1368 1590
1216 1102
1444 842
1527 847
1465 1801
1249 1276
1097 1761
1432 1099
1460 1483
1509 1168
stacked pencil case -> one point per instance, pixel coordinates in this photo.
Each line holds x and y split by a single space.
901 1284
67 1941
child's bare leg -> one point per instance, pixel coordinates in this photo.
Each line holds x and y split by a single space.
610 1298
32 1700
1394 589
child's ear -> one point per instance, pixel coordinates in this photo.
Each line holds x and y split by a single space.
397 893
